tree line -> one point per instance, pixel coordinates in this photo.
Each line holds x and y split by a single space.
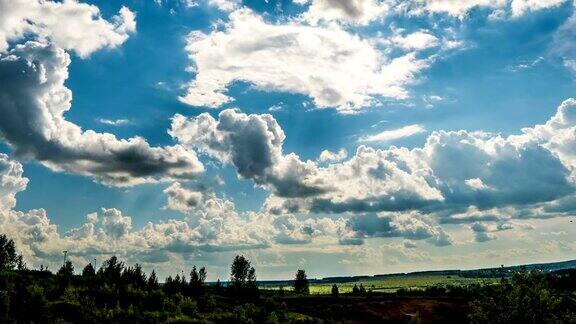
116 292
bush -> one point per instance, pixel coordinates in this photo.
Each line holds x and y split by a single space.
189 307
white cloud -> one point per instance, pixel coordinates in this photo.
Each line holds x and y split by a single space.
212 226
521 7
349 11
460 8
182 199
69 24
333 67
484 232
475 183
11 182
493 172
33 102
419 40
113 122
394 134
253 145
225 5
329 156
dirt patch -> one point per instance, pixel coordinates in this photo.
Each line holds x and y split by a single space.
381 309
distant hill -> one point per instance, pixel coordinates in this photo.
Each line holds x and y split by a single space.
474 273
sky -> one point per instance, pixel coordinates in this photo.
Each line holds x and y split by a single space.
341 137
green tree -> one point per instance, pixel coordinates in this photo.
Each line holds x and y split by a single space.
335 291
239 272
301 284
526 298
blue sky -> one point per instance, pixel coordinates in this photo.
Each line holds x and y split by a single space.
138 66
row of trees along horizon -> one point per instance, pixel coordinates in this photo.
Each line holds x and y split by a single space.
116 290
117 293
114 271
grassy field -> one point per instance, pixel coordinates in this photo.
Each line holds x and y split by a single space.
392 283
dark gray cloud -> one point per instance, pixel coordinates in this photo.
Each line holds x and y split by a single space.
407 226
253 145
33 101
484 232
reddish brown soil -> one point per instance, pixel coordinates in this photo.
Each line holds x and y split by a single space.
381 309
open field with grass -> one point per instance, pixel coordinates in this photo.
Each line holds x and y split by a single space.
389 284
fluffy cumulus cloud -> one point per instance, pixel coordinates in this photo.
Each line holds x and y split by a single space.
33 101
329 156
485 232
409 226
365 11
68 24
495 172
419 40
348 11
11 182
213 225
333 67
182 199
460 8
253 145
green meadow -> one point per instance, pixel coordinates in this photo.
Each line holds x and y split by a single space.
391 283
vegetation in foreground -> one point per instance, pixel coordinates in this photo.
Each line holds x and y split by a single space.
118 293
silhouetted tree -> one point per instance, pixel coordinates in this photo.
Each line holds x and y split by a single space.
194 280
218 286
202 274
301 284
89 272
251 284
169 286
8 256
134 276
239 272
355 289
361 289
20 264
65 274
335 292
67 270
111 271
152 282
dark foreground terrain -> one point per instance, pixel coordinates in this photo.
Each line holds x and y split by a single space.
382 309
116 293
